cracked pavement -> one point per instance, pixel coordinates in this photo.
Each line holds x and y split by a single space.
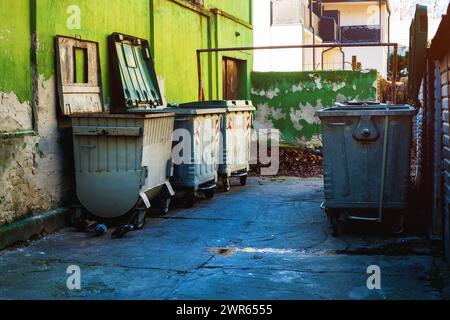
269 240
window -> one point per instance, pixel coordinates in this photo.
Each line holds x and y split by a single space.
286 12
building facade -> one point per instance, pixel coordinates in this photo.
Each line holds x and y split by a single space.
291 22
36 169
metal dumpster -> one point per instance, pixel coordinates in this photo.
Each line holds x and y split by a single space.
236 138
122 161
367 157
197 131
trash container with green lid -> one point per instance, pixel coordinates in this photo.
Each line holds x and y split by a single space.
367 157
236 138
197 132
122 161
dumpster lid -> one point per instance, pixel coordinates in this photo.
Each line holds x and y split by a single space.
196 111
78 76
134 82
244 105
366 108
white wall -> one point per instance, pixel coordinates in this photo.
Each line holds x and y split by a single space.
332 60
308 62
266 35
365 13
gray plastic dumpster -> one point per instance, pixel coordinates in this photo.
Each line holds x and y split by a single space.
236 138
122 161
197 144
367 157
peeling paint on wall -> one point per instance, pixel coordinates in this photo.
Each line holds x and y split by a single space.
14 114
288 101
35 171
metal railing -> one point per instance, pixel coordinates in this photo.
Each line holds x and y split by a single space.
201 95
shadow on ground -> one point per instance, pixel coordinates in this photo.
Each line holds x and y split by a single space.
269 240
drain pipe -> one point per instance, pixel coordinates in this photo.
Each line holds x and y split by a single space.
389 30
343 57
328 50
313 32
380 16
389 21
323 54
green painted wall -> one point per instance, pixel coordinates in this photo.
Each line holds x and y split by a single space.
238 8
40 164
288 101
179 31
226 37
98 19
175 32
15 69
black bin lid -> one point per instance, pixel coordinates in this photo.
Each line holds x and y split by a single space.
366 108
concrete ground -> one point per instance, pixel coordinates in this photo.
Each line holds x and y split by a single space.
269 240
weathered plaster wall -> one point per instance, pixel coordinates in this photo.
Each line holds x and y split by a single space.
15 69
288 101
90 20
36 170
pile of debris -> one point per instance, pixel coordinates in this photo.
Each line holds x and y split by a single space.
295 162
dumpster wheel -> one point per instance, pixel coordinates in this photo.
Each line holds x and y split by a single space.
164 205
335 225
334 218
209 194
77 219
243 181
138 219
189 200
226 184
398 225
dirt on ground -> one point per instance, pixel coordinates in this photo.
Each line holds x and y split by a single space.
303 162
295 162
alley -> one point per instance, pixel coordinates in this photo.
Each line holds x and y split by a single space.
269 240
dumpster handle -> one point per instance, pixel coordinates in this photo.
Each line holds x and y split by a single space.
88 146
339 124
383 169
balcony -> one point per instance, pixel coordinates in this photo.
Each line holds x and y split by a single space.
311 19
325 24
357 34
328 23
329 30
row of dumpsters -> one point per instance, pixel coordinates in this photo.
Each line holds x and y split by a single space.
142 151
433 172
